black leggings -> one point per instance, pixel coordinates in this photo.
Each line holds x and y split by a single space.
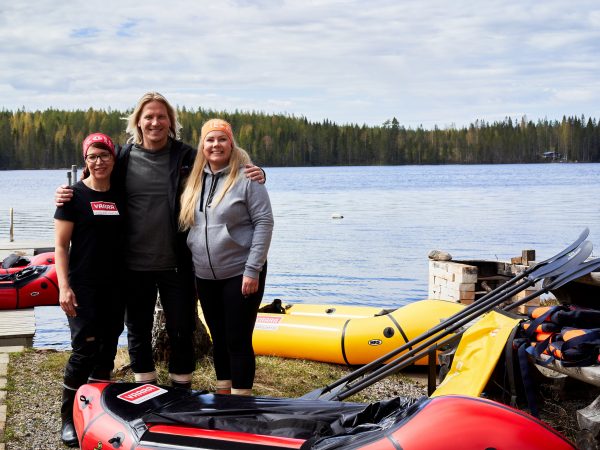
230 318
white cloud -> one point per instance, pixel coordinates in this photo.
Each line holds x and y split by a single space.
429 62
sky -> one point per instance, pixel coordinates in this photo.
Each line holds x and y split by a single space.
426 62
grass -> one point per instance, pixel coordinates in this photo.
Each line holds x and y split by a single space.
275 377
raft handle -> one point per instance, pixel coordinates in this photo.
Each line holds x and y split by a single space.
83 399
116 440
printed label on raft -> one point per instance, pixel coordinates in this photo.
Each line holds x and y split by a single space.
267 323
141 394
104 209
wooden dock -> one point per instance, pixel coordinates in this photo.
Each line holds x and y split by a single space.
17 327
26 247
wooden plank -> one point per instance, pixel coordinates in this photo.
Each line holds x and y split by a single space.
17 327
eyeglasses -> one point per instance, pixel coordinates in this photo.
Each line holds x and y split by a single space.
104 157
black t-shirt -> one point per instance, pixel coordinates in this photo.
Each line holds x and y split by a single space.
97 238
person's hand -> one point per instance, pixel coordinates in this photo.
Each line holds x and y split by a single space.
68 302
255 173
249 286
63 195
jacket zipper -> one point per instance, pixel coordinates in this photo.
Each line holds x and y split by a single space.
211 193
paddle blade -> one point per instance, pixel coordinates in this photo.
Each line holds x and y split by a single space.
324 393
313 395
578 272
582 237
566 262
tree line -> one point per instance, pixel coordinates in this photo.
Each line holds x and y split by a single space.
52 139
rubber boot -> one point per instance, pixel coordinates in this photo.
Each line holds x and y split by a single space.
67 432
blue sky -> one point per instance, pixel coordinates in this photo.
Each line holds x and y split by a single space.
427 62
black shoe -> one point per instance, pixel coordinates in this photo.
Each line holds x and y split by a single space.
68 434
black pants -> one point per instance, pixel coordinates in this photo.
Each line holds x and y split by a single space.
178 300
230 318
94 333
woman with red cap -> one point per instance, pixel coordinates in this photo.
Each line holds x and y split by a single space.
230 225
88 232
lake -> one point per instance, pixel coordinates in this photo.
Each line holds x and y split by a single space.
393 216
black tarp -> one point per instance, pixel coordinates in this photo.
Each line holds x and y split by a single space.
313 420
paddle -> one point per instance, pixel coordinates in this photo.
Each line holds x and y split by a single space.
576 271
538 269
550 266
560 280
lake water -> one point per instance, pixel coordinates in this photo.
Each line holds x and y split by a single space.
393 217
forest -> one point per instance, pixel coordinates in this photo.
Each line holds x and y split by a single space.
52 139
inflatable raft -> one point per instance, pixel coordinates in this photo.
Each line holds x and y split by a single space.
28 287
150 417
352 335
14 263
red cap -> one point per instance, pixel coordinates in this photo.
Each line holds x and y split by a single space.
98 138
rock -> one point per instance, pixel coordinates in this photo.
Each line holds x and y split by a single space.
161 347
439 255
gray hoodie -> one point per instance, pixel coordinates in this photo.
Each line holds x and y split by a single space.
233 237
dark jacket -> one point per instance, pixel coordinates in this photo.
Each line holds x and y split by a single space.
181 160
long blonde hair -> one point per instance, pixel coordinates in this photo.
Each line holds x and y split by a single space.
134 132
193 186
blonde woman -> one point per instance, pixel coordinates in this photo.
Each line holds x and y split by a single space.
230 224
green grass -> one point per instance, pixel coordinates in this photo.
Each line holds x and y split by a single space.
275 377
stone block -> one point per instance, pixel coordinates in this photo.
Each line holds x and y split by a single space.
464 273
466 295
438 281
462 287
439 265
449 294
441 273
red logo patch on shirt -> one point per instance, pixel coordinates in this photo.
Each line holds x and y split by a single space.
142 393
104 209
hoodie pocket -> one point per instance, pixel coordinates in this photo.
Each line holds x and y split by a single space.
224 250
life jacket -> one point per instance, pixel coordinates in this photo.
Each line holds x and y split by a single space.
569 334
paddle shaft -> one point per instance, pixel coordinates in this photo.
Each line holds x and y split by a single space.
422 350
483 305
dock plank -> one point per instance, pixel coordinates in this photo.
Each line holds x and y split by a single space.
17 327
